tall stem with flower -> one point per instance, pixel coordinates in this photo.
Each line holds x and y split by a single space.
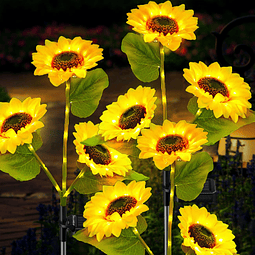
100 158
163 24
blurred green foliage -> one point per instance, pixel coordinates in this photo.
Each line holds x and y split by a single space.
4 97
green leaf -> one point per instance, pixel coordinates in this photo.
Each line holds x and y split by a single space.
133 175
129 148
217 127
143 57
89 183
191 176
93 141
22 165
126 244
86 93
187 250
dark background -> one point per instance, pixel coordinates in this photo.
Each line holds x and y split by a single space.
18 14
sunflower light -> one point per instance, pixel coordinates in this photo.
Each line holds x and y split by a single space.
18 121
206 236
113 216
65 58
131 113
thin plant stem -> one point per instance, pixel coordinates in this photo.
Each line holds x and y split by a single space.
73 183
45 169
166 200
168 232
65 139
198 113
162 80
171 209
147 248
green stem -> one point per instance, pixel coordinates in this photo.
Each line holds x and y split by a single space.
162 81
53 181
171 209
72 184
65 139
198 113
164 105
147 248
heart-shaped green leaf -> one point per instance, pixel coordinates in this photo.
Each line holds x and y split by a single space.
89 183
191 176
143 57
85 93
217 127
126 244
22 165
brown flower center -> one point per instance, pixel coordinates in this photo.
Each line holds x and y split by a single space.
132 116
121 205
202 235
213 86
67 59
162 24
16 122
172 143
99 154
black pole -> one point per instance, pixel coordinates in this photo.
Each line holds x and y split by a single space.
62 229
166 198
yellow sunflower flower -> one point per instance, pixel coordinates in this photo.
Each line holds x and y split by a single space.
164 23
18 120
116 208
132 112
170 141
101 159
204 234
65 58
218 89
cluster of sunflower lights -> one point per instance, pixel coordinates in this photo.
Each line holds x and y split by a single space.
113 215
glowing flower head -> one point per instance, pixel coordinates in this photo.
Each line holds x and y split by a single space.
132 112
204 234
18 120
164 23
116 208
101 159
218 89
170 141
65 58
